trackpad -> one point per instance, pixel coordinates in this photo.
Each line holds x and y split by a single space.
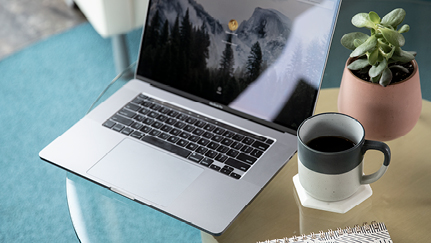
141 170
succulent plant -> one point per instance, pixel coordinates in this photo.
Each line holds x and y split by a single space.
381 51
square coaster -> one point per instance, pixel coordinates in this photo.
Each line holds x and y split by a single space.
342 206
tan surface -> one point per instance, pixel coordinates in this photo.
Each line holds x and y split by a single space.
401 198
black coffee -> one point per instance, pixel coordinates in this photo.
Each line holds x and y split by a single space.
330 144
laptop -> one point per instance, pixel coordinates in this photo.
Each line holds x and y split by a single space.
211 115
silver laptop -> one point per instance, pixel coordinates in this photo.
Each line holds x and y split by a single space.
211 116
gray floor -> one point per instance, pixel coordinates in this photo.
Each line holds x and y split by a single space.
23 22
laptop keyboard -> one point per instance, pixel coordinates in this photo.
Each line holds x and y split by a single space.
213 144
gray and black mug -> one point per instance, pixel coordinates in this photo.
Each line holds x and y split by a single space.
331 148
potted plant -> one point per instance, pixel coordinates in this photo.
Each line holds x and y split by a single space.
380 85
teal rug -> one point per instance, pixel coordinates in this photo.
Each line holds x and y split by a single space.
47 87
44 90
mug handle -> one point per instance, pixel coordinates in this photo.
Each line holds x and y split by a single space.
382 147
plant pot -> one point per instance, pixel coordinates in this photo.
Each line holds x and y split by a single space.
385 112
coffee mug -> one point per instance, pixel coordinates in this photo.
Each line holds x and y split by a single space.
331 148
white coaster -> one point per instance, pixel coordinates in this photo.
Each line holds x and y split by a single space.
342 206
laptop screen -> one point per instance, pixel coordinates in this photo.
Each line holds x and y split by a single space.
262 59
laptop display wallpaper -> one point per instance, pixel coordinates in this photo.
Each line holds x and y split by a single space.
259 57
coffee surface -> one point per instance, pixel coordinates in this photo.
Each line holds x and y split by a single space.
330 144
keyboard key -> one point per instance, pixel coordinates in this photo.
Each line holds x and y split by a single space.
232 153
213 145
260 145
148 121
132 107
167 146
225 171
201 150
191 120
209 127
236 145
179 125
144 111
166 128
215 167
137 125
228 134
153 114
164 110
171 121
137 134
221 157
164 136
189 128
246 158
211 154
218 131
157 124
226 141
207 135
173 113
127 131
139 118
185 135
154 133
192 146
173 139
198 131
182 142
238 137
228 168
206 161
121 119
256 153
217 138
237 164
235 175
195 157
203 141
182 117
200 123
194 138
145 129
222 149
118 127
248 140
109 124
246 149
175 132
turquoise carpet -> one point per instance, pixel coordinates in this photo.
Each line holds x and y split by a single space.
44 90
49 86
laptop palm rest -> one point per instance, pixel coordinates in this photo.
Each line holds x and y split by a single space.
136 168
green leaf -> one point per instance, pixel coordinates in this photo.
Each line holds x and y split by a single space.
393 37
402 56
400 68
348 39
376 70
394 18
384 47
386 78
358 64
366 46
404 29
376 79
357 42
373 57
362 20
374 17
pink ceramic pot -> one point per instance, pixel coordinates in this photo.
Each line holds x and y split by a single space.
385 112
